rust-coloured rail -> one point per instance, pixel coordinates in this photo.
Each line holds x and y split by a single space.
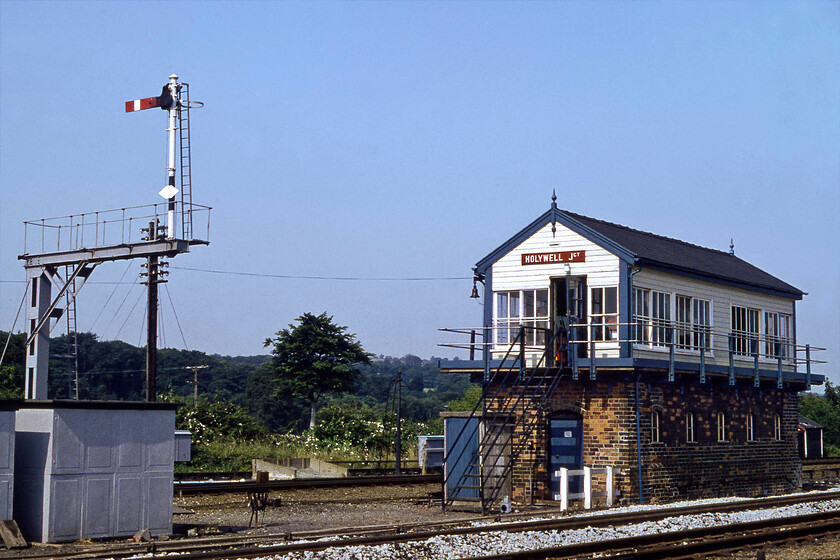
250 486
246 546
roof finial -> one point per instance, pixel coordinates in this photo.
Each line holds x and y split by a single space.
553 198
554 212
731 246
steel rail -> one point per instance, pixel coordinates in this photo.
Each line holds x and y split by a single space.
181 488
244 547
688 543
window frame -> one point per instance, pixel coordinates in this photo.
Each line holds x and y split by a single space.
750 426
510 311
604 321
777 427
655 427
690 436
651 326
691 318
745 330
779 342
721 427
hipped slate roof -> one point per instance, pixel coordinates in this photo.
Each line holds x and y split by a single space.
649 250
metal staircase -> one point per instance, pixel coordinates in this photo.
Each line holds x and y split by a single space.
514 399
186 185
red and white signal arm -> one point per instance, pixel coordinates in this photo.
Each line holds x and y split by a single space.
140 104
164 101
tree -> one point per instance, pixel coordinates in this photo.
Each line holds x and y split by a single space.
314 357
824 410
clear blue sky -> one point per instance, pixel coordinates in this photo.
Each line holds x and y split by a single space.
408 140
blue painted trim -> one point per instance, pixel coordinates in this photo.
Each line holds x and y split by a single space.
691 367
560 217
639 444
793 319
606 364
625 309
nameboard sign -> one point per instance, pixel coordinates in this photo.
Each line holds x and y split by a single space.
552 258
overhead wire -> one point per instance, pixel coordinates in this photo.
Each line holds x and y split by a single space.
116 285
143 322
129 315
339 278
121 304
175 313
11 330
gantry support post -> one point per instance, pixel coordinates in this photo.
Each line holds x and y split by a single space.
38 348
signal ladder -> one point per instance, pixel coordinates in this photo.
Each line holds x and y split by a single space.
75 280
186 190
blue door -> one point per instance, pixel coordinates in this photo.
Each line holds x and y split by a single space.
565 450
459 453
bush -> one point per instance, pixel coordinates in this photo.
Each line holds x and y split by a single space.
348 427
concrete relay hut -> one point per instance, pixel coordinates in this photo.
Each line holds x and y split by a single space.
93 469
605 346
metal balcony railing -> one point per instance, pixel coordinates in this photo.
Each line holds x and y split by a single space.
587 340
107 228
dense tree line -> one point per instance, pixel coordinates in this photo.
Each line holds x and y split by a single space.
115 370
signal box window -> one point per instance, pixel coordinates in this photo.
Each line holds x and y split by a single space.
605 313
744 330
522 307
777 330
652 316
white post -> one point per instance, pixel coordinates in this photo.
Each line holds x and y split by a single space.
609 486
564 488
587 487
173 114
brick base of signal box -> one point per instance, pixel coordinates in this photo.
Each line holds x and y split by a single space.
672 469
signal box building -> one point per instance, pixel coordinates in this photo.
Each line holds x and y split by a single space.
606 346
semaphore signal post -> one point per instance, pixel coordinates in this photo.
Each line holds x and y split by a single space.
61 253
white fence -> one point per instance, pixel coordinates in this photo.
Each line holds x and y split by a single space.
564 496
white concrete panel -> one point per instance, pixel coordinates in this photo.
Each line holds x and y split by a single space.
65 509
99 440
129 504
6 486
98 510
68 433
159 509
130 448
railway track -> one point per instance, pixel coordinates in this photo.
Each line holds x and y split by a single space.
268 545
193 487
690 544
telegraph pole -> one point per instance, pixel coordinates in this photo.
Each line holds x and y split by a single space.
195 382
152 275
398 468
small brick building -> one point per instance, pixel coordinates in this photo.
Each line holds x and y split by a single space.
602 345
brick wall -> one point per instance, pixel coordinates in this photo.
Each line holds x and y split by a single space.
672 468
